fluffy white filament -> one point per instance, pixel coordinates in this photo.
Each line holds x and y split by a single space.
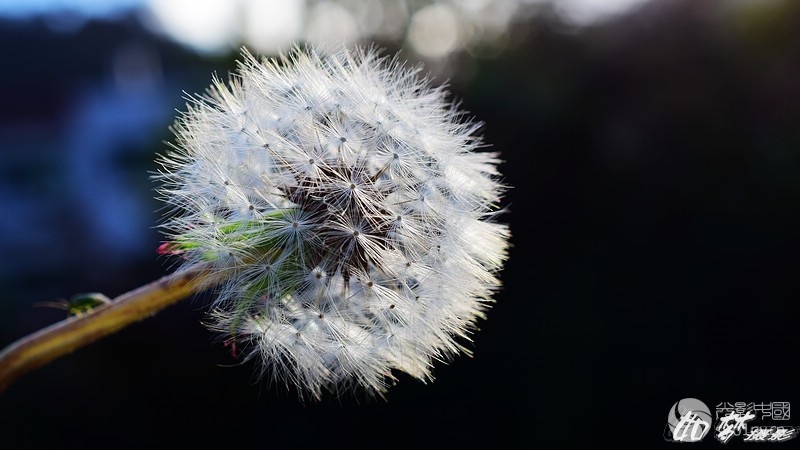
345 203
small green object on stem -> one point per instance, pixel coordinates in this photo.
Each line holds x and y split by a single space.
83 303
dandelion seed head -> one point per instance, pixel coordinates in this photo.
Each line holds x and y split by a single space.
349 210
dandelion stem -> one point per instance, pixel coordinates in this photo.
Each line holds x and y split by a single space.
64 337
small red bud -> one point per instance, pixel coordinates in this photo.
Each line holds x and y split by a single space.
232 344
169 248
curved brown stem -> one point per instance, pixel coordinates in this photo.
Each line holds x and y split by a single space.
73 333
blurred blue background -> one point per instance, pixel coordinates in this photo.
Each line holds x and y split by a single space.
654 149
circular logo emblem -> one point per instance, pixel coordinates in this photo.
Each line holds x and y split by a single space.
689 420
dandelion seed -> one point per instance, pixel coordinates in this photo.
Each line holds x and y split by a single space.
372 247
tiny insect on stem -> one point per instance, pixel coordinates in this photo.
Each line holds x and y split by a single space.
64 337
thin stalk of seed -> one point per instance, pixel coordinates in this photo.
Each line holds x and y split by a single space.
59 339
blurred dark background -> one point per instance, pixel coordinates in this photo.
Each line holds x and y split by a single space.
655 159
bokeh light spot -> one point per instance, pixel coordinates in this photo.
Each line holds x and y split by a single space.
434 31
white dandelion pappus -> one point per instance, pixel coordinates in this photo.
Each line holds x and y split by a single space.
345 203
